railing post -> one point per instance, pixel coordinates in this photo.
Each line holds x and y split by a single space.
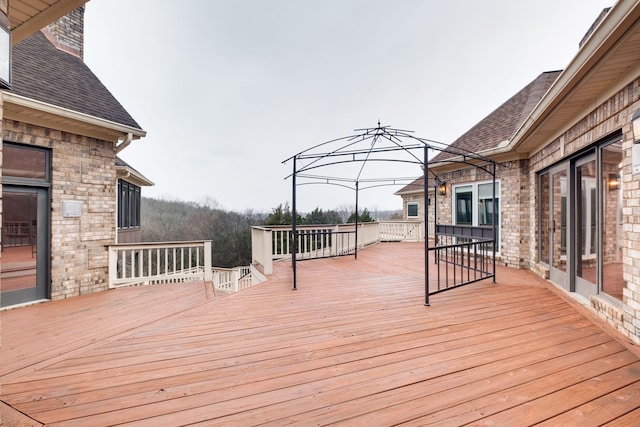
256 245
234 279
113 266
208 270
140 262
267 242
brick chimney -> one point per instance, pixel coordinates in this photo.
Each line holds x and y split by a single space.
67 33
594 25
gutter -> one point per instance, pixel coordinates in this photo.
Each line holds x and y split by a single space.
127 140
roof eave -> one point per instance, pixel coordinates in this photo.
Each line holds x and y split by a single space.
133 176
25 109
619 20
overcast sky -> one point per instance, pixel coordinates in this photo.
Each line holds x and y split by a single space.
228 89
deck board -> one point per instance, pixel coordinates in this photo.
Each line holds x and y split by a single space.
354 345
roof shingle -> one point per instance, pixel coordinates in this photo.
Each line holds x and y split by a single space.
503 122
44 73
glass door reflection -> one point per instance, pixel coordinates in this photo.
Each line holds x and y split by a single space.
586 230
559 222
19 279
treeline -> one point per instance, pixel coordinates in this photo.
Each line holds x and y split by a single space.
229 232
281 215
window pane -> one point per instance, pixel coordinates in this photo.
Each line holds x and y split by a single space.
119 204
137 206
612 233
125 208
485 191
24 162
545 223
464 210
412 209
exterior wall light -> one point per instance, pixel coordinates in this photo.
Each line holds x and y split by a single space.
442 189
614 182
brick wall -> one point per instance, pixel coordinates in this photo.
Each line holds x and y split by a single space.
515 201
67 33
82 169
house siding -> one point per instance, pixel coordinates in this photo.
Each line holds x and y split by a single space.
82 169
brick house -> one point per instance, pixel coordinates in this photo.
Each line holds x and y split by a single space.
62 130
568 173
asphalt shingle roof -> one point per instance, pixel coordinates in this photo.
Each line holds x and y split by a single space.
44 73
499 126
504 121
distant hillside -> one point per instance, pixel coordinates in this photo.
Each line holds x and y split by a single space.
230 232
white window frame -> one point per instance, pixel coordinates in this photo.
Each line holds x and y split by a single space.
475 204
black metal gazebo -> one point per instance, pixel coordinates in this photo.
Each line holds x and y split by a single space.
347 162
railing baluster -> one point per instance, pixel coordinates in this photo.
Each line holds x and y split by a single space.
175 260
132 262
148 257
157 269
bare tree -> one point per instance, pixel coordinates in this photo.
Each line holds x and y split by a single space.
345 211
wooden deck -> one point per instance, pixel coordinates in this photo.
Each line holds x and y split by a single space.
354 345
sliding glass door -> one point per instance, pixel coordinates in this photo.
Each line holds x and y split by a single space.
24 260
580 221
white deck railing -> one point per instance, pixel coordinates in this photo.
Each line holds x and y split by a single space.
155 263
231 280
271 243
151 263
401 231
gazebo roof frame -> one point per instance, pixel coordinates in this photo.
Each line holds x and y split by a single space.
347 151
